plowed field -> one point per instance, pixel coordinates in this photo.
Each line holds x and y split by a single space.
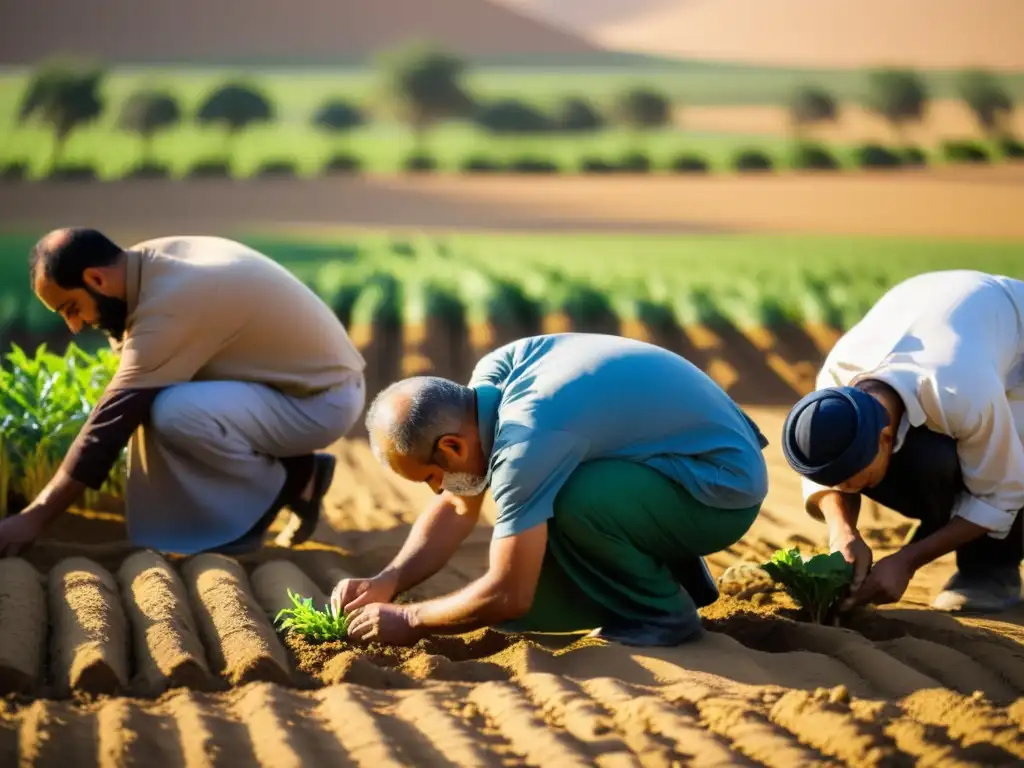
117 657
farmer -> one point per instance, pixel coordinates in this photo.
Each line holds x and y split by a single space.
615 466
920 406
232 375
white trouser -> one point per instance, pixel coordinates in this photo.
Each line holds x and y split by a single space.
205 468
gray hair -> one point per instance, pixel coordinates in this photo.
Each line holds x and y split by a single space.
436 407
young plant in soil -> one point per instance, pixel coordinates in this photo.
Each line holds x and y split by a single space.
312 624
817 584
44 402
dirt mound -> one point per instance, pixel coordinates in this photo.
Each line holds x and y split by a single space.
302 32
162 661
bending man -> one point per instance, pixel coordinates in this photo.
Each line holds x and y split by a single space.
232 375
920 406
615 467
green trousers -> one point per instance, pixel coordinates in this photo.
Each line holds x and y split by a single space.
620 533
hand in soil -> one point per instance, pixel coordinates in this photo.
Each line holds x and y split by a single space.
382 623
856 552
349 594
886 582
18 531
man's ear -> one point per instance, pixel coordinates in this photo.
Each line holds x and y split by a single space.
95 278
453 446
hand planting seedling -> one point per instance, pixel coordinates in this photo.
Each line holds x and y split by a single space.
818 585
310 623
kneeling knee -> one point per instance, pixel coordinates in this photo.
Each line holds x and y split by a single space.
176 415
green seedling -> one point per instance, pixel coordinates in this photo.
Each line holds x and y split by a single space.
311 623
818 584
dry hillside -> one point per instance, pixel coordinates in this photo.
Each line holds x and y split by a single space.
840 33
270 30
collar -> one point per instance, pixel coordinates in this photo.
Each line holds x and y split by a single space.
488 398
132 281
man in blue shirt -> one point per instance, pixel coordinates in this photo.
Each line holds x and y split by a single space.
615 466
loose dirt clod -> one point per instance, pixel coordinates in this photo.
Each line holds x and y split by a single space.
22 626
242 644
168 652
89 640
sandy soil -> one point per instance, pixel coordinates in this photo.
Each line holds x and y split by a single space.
167 661
947 119
953 202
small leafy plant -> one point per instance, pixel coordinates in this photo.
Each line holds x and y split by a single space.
818 584
44 402
311 623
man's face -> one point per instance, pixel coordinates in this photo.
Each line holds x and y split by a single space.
87 306
456 466
873 473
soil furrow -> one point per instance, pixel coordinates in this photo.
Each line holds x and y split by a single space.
209 738
271 582
644 712
829 727
22 626
445 733
168 652
89 633
357 729
238 635
281 730
55 735
511 712
129 736
564 705
748 731
968 719
950 667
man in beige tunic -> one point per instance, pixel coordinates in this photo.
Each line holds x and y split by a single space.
232 376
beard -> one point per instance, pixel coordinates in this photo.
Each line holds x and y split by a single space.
464 483
111 315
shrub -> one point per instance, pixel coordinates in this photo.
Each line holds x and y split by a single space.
689 163
643 108
876 156
235 107
813 157
987 98
914 156
752 160
897 95
812 105
278 169
14 170
146 113
1012 148
480 164
578 115
511 116
420 162
148 170
596 165
211 168
73 172
338 116
964 152
343 163
529 164
635 162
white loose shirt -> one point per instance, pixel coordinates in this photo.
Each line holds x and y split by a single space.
952 345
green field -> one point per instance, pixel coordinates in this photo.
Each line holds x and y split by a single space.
383 144
743 281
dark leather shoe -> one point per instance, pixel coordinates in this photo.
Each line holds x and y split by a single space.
306 514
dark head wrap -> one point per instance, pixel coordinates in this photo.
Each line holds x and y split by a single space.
832 434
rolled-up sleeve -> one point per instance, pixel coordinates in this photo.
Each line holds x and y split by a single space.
991 460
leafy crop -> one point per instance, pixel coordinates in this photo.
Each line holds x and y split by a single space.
311 623
818 584
44 402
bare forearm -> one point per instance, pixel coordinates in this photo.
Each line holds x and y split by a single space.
60 493
950 537
841 511
481 603
431 543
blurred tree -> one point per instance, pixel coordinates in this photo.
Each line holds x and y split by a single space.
235 107
578 115
900 96
988 99
810 105
642 109
146 113
338 117
425 86
64 95
513 116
